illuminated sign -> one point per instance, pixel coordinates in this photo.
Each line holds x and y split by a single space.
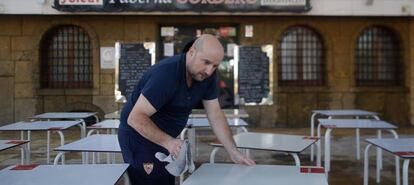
196 6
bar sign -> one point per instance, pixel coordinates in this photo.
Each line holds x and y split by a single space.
81 2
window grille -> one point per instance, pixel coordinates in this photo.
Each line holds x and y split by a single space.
378 58
66 58
301 58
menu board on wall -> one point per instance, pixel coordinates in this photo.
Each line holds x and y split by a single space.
134 59
254 68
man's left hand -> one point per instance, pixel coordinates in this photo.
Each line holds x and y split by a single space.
239 158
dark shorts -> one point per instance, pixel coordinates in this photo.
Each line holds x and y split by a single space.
144 168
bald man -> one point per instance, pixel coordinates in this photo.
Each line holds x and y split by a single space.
158 110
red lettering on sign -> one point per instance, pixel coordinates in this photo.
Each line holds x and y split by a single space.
217 1
78 2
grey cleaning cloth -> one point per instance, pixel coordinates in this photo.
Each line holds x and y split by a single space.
181 164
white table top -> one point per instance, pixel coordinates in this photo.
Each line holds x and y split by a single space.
39 125
356 123
113 115
65 115
403 147
93 143
196 113
203 122
229 113
345 112
6 144
100 174
273 142
234 174
106 124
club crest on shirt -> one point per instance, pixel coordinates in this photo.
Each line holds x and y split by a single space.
148 167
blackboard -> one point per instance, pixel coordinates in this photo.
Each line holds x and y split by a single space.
253 71
134 61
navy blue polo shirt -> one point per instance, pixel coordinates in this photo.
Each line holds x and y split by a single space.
165 87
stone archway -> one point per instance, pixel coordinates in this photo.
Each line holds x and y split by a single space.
65 99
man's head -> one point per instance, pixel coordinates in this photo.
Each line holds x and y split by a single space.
204 57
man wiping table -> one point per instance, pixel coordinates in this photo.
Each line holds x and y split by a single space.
158 110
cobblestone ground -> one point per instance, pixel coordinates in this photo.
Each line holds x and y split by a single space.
345 169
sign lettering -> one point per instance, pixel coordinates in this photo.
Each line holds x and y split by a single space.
196 6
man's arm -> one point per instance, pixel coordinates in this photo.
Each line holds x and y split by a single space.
220 127
139 119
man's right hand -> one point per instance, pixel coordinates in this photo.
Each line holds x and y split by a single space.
173 146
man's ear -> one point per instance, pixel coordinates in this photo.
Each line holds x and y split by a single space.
192 51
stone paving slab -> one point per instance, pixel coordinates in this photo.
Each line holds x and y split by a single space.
345 168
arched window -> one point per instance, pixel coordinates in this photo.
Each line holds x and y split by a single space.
301 58
378 58
66 58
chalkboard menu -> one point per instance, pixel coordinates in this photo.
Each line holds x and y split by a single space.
253 74
134 61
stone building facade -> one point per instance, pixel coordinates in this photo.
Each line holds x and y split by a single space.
21 95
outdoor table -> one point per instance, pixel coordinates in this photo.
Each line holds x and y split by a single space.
109 125
113 115
400 148
236 174
7 144
194 123
229 113
94 143
290 144
48 126
70 116
331 124
339 113
101 174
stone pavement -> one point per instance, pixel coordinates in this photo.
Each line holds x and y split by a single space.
345 168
